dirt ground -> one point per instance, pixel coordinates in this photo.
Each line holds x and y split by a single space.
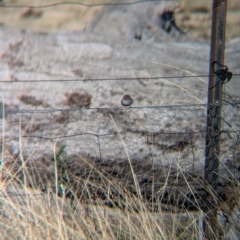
193 17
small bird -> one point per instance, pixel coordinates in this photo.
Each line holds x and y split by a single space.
126 101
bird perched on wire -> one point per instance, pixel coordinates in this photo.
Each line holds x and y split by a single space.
126 101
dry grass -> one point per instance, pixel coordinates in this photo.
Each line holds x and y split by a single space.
71 17
28 213
99 206
195 18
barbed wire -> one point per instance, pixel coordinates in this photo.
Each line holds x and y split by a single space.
111 79
115 108
102 79
149 133
83 4
104 108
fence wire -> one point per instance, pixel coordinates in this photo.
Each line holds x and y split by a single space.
92 151
122 3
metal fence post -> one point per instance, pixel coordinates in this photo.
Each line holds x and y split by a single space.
213 128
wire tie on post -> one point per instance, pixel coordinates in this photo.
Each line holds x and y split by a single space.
223 74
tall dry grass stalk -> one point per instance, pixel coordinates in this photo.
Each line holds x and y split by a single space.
33 208
28 213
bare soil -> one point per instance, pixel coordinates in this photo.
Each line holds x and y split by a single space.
193 17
